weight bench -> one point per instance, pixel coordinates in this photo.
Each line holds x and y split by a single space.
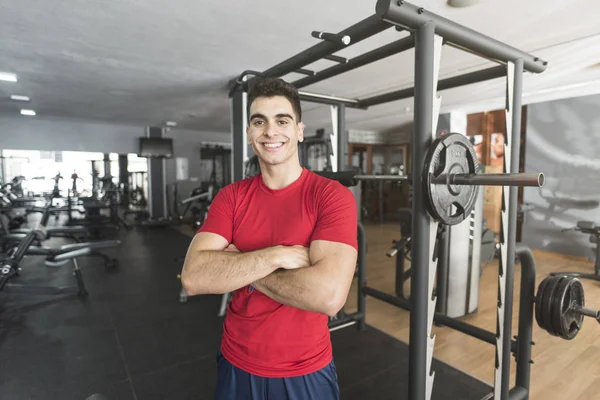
92 249
10 267
593 230
72 232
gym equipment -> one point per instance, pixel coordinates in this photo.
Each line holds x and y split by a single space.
449 203
450 184
488 246
590 228
315 151
9 267
198 203
220 159
342 319
251 167
428 32
560 306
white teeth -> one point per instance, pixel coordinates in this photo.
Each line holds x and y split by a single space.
273 145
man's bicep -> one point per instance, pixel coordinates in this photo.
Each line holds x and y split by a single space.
333 253
338 217
204 241
219 218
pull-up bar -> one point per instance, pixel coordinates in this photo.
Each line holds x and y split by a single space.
379 53
362 30
411 17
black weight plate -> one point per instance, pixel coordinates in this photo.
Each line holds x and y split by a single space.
547 296
569 294
539 304
449 154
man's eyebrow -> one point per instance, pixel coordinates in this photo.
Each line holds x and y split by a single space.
284 115
280 115
257 115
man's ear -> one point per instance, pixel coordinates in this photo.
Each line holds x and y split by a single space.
248 135
301 127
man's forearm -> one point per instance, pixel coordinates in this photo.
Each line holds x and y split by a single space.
218 272
308 288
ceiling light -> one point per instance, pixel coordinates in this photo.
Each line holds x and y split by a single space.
28 112
5 76
171 123
18 97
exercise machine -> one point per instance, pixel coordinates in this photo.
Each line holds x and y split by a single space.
315 152
444 171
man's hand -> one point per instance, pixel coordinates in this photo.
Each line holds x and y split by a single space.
288 257
293 257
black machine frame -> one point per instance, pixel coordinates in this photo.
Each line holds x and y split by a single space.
428 34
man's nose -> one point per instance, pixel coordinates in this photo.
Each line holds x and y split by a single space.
271 130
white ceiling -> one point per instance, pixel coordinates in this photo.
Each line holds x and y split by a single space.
148 61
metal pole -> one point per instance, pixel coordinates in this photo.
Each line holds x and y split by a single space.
362 275
509 224
457 325
518 393
525 316
510 179
238 134
327 99
443 256
414 17
374 55
423 116
448 83
342 138
381 178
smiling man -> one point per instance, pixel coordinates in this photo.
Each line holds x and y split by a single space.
285 243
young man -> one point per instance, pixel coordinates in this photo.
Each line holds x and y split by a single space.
285 242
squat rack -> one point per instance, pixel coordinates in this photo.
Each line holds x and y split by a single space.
428 33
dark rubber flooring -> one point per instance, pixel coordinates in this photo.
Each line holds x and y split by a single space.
130 338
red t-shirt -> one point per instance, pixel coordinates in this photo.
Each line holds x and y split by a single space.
262 336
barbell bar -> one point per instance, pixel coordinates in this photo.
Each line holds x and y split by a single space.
463 179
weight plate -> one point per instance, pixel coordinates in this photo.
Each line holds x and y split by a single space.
569 295
547 296
539 315
449 154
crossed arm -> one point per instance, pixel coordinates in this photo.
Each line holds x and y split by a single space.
318 282
320 287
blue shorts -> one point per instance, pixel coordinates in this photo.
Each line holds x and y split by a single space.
235 384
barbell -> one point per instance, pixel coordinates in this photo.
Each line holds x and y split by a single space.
450 178
560 306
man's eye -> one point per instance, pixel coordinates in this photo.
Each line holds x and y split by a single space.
258 122
282 122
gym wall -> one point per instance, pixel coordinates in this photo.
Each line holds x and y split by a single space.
563 142
20 133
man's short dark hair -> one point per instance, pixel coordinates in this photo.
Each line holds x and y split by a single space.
270 87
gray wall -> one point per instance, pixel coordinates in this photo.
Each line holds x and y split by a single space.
563 142
24 133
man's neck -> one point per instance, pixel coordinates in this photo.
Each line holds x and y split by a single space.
277 177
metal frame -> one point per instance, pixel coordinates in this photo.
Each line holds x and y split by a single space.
428 33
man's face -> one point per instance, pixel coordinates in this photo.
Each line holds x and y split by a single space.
273 130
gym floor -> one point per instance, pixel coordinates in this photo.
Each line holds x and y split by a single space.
131 339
